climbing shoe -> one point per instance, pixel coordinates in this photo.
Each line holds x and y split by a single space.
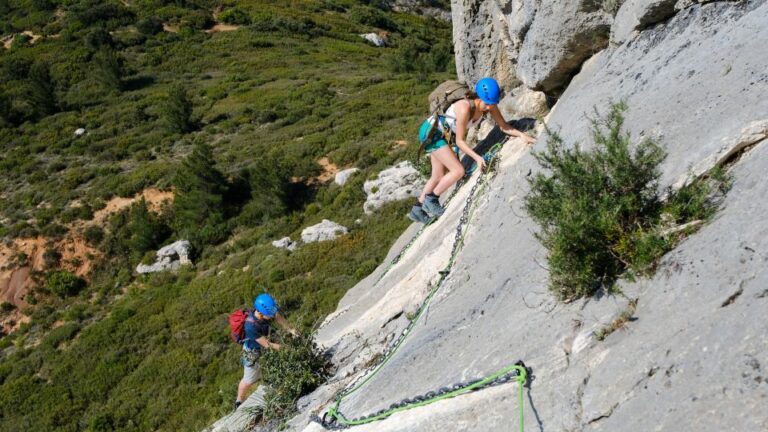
432 205
418 214
237 405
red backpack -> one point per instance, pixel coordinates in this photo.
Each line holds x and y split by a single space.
237 324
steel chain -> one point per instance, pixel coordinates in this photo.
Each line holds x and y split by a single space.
458 242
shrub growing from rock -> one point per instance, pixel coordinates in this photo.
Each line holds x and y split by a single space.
293 371
600 211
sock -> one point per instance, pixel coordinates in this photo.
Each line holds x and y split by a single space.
432 194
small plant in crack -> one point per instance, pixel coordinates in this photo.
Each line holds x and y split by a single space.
624 317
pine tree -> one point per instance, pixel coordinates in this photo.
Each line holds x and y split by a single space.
178 111
109 67
198 204
146 231
5 110
41 90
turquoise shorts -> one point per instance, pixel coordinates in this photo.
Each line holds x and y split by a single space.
437 141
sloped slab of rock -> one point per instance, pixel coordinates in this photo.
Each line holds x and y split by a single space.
324 231
241 419
393 184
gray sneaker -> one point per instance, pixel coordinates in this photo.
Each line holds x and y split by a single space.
432 206
418 215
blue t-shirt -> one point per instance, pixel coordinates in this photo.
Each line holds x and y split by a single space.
254 329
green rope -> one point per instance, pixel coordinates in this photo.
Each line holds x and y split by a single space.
521 376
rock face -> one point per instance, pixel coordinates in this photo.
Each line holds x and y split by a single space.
393 184
540 43
169 257
285 243
693 356
374 39
324 231
563 34
344 175
639 14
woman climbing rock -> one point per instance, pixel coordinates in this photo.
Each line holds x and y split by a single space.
439 129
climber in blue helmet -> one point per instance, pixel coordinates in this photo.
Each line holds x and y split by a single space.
256 331
459 118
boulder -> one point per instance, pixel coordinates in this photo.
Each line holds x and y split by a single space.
79 132
375 39
169 258
636 15
344 175
285 243
324 231
562 36
393 184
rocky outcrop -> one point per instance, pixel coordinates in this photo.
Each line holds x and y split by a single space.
344 175
635 15
169 258
393 184
540 43
324 231
563 34
375 39
285 243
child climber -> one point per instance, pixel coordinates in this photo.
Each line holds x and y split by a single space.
256 331
459 117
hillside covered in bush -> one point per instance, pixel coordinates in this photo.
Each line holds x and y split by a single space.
125 125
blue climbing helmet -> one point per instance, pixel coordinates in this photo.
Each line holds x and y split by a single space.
488 91
266 305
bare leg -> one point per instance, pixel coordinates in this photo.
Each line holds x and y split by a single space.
438 171
447 158
242 389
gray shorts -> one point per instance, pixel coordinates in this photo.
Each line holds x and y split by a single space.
251 374
251 369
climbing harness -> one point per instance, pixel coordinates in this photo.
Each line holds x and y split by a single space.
334 419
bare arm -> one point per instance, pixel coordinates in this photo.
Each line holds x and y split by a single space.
263 341
506 128
282 322
462 120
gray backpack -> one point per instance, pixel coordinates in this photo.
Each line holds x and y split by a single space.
445 95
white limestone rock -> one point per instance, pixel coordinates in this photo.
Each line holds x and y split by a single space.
344 175
393 184
285 243
375 39
169 258
324 231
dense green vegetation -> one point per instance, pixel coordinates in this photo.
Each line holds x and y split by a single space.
601 212
293 371
235 123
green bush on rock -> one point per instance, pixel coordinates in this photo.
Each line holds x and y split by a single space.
600 212
291 372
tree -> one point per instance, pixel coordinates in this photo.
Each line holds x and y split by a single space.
178 111
5 110
64 284
109 68
147 232
41 90
268 180
198 202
